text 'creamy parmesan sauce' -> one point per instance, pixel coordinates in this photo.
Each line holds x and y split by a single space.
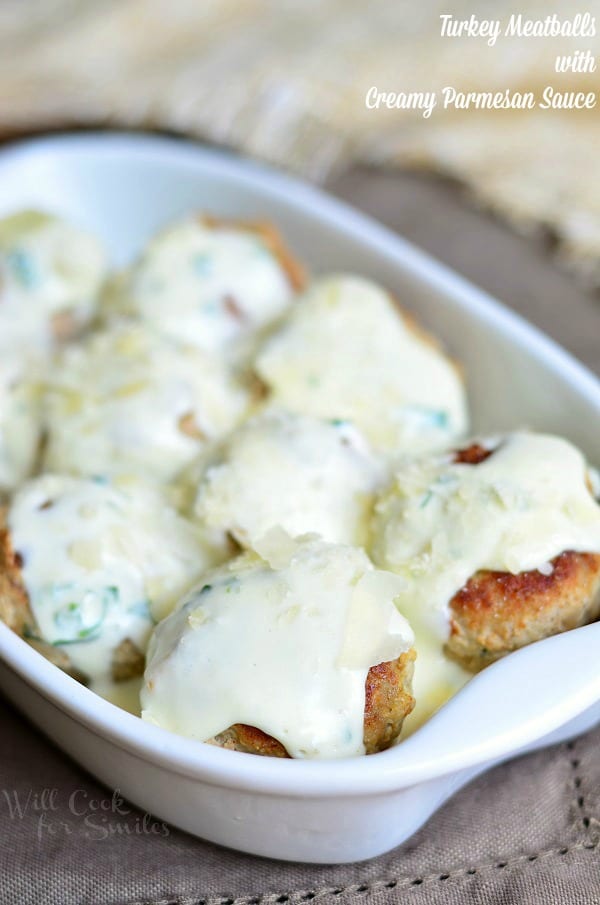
100 564
283 645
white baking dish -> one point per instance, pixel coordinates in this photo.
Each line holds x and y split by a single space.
124 187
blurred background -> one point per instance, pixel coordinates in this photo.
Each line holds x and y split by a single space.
285 81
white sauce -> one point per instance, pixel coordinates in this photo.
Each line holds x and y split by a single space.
19 423
299 473
205 285
441 522
282 642
100 563
129 401
436 678
345 351
283 645
47 268
125 695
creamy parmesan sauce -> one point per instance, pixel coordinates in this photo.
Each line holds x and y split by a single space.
125 695
282 637
292 471
205 285
48 269
100 564
344 351
436 678
441 522
19 423
283 644
130 401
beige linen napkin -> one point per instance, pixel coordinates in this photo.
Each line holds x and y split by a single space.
525 833
286 80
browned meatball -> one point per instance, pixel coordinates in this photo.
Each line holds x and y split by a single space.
14 602
388 701
498 612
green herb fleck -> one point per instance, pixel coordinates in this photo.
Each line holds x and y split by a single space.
23 268
73 619
69 619
426 499
427 417
141 609
203 264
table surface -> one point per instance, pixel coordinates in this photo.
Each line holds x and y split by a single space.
524 827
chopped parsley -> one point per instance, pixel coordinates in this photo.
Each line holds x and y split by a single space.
23 268
203 264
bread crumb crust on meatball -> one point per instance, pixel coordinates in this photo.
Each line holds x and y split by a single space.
496 613
15 611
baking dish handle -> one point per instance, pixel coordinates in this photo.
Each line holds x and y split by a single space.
514 702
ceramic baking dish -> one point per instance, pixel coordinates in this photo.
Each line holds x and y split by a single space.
124 187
